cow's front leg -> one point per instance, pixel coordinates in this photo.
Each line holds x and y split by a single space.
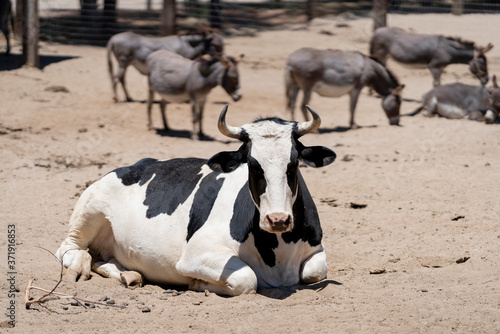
314 269
226 275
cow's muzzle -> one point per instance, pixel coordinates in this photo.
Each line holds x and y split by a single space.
278 223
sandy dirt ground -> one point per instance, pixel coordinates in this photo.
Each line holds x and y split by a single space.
422 256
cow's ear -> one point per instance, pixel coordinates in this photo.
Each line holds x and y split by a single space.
317 156
226 161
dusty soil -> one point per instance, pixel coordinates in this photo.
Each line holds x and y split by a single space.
421 257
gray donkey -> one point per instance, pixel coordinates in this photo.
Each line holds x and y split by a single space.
334 73
133 49
457 100
434 51
181 80
5 14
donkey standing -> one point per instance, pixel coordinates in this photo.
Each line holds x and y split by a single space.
434 51
334 73
133 49
181 80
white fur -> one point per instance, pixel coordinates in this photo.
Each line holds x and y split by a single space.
271 147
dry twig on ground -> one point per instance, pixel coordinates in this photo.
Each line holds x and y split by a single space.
53 295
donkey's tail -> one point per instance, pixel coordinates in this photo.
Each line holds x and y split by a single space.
109 48
291 90
415 112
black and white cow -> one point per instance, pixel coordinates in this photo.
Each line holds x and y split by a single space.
239 221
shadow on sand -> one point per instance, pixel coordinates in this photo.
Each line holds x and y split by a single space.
15 61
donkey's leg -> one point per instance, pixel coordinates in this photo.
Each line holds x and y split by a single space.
113 269
163 109
201 108
120 76
196 112
305 100
151 96
436 74
354 95
5 30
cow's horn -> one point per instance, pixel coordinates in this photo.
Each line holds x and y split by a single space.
226 130
312 125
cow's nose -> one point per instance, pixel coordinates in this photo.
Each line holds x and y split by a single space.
278 222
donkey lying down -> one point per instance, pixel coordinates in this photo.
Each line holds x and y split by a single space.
133 49
334 73
180 80
478 103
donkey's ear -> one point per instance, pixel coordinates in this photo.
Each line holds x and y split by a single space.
487 48
478 51
317 156
397 90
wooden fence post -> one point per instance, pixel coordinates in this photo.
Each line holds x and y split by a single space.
310 9
379 14
168 21
457 7
31 32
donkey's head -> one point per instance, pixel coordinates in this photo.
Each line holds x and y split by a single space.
493 103
479 65
392 104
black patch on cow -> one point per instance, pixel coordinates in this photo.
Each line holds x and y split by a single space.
292 170
134 174
307 225
245 220
203 202
174 180
257 181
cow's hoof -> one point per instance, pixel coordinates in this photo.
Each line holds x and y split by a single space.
132 279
